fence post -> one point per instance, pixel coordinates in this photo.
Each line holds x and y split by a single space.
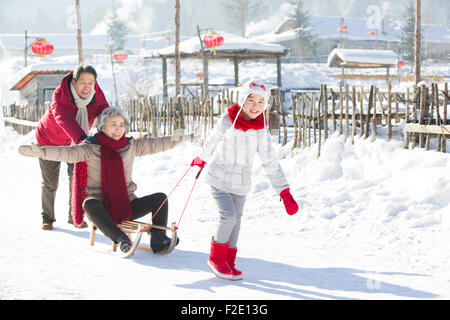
407 119
389 112
422 114
325 112
374 115
274 114
444 142
369 106
353 114
294 121
346 112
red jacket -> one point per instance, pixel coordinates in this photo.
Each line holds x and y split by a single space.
58 126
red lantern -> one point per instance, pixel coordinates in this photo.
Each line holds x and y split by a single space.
200 75
344 28
213 40
42 48
120 57
400 64
372 34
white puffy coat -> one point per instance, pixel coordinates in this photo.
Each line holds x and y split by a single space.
229 155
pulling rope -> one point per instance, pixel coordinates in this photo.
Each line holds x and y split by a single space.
194 162
196 178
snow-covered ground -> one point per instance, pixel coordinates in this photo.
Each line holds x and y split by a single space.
374 224
374 220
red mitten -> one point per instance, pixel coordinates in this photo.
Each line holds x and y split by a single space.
289 203
198 162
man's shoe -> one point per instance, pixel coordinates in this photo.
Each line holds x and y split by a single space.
47 226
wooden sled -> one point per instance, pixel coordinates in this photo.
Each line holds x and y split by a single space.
138 228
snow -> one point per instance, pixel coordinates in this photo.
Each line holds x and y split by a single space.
383 57
374 220
373 224
231 42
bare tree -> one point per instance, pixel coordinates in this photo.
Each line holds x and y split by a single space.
80 47
241 12
417 36
177 48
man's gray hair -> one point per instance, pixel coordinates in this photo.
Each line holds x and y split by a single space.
112 112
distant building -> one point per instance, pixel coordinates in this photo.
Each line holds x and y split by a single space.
37 83
357 35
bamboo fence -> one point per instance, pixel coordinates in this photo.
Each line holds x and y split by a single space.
421 114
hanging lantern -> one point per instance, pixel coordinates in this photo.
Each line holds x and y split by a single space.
42 48
372 34
400 64
200 75
120 57
213 40
344 28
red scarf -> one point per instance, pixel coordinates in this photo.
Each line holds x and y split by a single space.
241 123
114 185
79 181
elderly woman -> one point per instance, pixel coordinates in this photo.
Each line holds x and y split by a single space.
104 188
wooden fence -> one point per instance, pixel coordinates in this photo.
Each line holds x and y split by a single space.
317 114
313 114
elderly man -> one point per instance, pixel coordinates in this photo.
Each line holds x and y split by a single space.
76 103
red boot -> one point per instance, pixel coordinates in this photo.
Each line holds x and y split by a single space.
218 260
237 274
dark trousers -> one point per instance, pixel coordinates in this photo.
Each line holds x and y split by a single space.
95 209
49 185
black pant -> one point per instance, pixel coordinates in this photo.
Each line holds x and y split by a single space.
95 209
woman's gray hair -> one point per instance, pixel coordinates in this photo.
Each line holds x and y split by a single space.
112 112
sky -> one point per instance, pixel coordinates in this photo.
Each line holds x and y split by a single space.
47 16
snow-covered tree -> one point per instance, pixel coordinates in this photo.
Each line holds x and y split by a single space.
117 29
241 12
306 43
407 33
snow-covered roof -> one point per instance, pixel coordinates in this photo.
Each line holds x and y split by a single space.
21 78
357 29
359 58
232 43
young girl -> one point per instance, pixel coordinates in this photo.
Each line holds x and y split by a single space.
107 192
240 134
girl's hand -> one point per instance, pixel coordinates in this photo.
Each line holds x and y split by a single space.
198 162
289 203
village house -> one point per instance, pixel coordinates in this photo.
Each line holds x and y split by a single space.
36 83
329 34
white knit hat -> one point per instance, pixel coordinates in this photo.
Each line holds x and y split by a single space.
253 87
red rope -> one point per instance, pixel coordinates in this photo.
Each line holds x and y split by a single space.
182 213
167 198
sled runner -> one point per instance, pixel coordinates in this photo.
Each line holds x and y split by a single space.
134 231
